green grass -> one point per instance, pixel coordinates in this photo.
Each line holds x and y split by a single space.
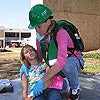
91 55
91 68
92 63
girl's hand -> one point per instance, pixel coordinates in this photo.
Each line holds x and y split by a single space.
31 98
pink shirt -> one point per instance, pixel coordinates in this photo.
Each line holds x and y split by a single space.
57 82
63 41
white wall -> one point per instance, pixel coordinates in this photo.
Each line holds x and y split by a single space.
34 2
33 32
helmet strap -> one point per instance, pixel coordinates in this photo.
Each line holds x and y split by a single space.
51 27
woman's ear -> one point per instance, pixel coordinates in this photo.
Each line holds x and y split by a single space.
49 22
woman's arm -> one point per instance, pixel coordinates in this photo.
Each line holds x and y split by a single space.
62 41
52 71
49 81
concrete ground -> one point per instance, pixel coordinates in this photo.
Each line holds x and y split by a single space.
90 86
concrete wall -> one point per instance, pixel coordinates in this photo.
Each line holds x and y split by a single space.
1 33
85 14
23 33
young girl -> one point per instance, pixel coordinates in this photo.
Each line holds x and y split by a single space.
35 71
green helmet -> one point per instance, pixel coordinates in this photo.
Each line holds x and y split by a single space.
37 15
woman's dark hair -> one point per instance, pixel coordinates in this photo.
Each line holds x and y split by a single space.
51 17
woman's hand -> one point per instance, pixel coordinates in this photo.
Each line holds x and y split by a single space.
38 88
47 83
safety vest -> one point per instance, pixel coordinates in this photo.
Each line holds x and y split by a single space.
50 54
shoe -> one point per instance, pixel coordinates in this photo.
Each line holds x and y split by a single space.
74 94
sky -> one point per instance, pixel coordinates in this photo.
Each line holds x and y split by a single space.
14 13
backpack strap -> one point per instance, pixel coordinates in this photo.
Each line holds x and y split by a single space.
77 58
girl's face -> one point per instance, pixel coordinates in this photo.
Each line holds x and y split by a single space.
29 53
42 29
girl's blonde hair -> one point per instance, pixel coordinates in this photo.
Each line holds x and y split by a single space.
22 57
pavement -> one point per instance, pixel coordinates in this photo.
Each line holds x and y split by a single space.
90 86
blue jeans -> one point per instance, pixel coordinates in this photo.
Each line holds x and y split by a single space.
49 94
71 71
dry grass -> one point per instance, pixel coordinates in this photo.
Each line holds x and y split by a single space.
10 64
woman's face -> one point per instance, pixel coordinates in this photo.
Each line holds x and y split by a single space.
42 29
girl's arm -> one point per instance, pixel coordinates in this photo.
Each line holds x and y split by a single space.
25 88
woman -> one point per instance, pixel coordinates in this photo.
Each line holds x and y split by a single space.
58 58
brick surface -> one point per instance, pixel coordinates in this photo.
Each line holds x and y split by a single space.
85 14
